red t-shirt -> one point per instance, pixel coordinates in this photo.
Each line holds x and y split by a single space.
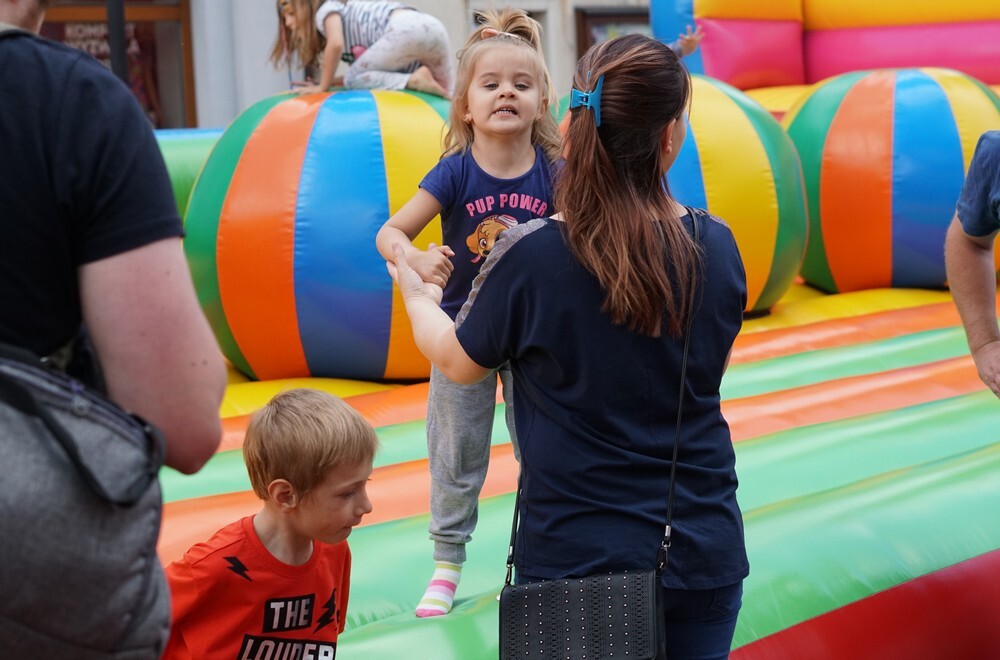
233 600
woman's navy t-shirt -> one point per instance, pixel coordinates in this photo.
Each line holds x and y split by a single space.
596 404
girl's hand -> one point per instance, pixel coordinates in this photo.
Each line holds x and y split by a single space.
306 88
409 281
689 40
433 265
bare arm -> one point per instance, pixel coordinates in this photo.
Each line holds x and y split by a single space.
334 48
433 329
433 265
158 354
972 278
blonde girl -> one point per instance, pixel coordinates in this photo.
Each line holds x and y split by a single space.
496 172
387 45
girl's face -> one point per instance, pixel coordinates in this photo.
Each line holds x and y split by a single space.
289 13
505 93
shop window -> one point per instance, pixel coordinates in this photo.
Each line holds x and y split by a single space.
158 51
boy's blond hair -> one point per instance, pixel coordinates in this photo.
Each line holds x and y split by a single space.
300 436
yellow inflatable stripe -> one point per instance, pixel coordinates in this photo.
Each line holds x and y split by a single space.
773 10
736 186
973 112
245 398
411 139
834 14
804 304
778 99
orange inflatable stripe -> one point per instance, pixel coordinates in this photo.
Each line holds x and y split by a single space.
257 241
403 490
395 406
755 416
396 491
843 332
863 190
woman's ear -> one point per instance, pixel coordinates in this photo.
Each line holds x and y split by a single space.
667 141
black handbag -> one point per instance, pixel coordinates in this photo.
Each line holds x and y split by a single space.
619 614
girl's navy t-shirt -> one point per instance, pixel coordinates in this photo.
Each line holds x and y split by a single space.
478 208
595 406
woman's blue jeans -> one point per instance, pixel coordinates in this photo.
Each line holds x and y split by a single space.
701 622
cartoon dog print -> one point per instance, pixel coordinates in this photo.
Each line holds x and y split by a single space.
481 241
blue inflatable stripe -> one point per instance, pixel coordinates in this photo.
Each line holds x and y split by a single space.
927 175
342 184
685 179
669 18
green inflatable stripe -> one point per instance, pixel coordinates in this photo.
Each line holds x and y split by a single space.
185 154
808 131
814 546
791 464
817 553
988 91
790 242
441 106
225 472
401 443
202 223
812 367
388 576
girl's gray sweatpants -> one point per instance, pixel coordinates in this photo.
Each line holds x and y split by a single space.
459 431
411 36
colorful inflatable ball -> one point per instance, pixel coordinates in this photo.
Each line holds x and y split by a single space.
281 231
884 154
738 163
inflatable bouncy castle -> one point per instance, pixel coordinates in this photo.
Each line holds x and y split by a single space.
867 447
774 50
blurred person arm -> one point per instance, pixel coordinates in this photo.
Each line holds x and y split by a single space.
972 278
687 42
333 25
158 354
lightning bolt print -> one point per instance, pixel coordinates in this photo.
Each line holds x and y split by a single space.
330 613
236 566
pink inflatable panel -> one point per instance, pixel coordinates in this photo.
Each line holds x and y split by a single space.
749 54
972 48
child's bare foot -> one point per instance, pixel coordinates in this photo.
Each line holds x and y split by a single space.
422 80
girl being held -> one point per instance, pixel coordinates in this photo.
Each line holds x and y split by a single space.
388 45
496 172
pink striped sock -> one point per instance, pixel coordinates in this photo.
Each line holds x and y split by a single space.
440 594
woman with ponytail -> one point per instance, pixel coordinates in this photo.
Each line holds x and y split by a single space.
591 308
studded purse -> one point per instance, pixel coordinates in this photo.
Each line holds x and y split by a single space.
617 614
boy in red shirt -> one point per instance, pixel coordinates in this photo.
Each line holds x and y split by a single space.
275 585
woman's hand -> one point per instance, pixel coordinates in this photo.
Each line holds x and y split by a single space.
412 286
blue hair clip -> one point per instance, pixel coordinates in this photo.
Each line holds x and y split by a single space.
590 100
